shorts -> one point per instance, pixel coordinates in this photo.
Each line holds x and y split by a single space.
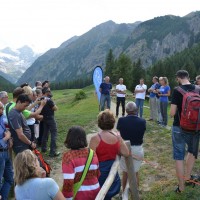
136 151
179 140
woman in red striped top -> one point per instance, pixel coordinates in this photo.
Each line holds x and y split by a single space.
73 163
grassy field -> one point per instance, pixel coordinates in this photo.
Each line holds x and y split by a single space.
158 179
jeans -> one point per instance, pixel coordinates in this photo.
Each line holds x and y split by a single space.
6 174
179 140
139 104
163 109
122 101
49 125
105 98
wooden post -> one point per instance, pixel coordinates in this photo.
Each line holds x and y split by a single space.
131 174
106 186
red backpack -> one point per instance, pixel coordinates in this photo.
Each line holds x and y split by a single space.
190 115
42 162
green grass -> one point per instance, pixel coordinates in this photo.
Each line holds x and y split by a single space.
70 112
157 179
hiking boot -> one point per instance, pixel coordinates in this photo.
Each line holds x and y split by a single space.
54 154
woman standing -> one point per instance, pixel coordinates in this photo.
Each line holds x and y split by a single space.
73 164
108 144
164 93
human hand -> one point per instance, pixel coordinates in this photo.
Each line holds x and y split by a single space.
7 135
33 145
43 102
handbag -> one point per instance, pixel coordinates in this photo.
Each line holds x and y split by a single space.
77 185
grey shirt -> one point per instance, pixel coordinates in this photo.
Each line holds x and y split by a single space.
17 120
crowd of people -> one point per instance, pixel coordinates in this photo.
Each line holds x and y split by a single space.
19 130
27 120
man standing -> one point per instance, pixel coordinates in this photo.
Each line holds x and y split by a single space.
153 100
20 131
105 93
132 128
140 93
4 101
49 123
6 170
179 136
121 93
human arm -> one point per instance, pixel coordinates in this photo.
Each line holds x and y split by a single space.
139 90
59 196
54 108
173 110
123 148
4 140
23 138
68 175
94 142
38 111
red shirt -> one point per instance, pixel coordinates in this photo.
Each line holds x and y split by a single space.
107 151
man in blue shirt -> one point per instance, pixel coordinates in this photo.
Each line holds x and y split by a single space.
105 93
6 170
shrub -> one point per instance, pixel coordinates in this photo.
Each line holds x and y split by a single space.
80 95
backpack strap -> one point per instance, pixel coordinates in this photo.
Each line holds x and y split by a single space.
7 109
181 90
87 165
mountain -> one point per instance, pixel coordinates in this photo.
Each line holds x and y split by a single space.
161 37
14 62
79 56
148 41
5 85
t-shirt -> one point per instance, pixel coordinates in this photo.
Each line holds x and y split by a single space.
177 99
37 189
122 88
105 88
132 128
164 90
17 121
47 110
140 95
154 87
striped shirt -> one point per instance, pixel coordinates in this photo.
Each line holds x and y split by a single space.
73 163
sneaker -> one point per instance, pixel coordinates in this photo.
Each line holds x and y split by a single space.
55 154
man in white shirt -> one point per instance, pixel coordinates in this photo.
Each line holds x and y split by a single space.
140 93
121 94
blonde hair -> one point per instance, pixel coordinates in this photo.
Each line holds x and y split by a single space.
25 166
27 90
165 79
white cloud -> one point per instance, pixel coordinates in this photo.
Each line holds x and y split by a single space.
48 23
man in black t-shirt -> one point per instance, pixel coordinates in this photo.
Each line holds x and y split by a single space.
49 123
179 137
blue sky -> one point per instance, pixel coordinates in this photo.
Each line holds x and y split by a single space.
45 24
